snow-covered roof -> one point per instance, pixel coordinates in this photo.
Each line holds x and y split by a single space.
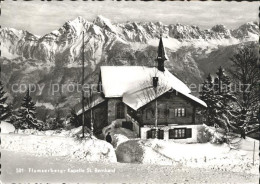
134 84
95 102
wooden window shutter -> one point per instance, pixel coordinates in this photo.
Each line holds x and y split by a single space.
153 131
172 134
188 133
149 134
161 134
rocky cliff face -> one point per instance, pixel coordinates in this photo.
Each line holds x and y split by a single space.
55 58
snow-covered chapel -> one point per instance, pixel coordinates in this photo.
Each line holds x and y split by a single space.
147 100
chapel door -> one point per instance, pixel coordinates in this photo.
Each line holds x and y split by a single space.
120 110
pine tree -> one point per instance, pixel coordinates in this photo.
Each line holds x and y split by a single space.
207 95
217 95
5 110
26 117
225 100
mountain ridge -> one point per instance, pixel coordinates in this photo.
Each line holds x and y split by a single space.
103 31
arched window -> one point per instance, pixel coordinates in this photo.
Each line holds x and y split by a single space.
120 110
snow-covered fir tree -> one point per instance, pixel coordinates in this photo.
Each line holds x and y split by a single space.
26 116
226 114
220 100
5 110
207 95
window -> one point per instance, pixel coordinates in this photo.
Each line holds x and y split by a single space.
179 112
120 110
180 133
151 134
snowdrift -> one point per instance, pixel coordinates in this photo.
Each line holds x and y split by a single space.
118 134
72 148
60 132
210 156
6 127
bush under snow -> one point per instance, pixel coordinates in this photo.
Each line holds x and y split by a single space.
211 134
7 127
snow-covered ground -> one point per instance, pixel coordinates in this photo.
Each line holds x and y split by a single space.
75 132
63 148
68 147
98 172
207 155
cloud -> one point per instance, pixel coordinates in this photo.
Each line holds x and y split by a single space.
42 17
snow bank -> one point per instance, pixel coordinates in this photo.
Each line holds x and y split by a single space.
118 134
6 127
248 144
63 133
71 148
209 156
117 139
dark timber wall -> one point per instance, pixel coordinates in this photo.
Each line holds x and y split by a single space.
99 117
167 104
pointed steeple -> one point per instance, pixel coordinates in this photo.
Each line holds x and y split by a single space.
161 57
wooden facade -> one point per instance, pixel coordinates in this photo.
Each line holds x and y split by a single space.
100 119
173 109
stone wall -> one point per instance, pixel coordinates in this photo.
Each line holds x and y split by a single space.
111 109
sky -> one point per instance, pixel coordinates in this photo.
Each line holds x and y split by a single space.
42 17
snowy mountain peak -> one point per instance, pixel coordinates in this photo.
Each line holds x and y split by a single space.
105 23
250 26
77 20
11 31
75 26
219 28
101 19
